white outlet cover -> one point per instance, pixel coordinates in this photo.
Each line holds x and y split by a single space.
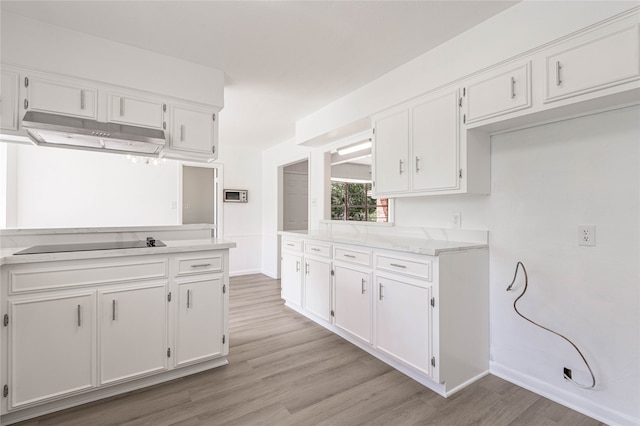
456 220
587 235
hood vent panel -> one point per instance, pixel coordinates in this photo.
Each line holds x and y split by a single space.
71 132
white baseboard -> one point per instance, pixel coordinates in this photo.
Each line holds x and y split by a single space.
244 272
575 402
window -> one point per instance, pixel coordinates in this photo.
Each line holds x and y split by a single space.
352 201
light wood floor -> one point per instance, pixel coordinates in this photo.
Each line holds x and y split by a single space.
285 370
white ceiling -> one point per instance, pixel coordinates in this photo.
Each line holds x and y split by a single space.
282 59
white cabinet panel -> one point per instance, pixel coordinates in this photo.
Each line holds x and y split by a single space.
403 318
193 130
353 302
436 143
200 320
505 90
51 352
9 100
592 65
136 111
62 96
317 287
133 332
391 152
291 279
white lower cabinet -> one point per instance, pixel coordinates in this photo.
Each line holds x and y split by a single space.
352 311
403 322
317 287
133 332
291 281
199 321
51 347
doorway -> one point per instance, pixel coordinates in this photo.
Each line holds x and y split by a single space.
295 196
201 196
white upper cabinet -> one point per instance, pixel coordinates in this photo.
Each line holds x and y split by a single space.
194 132
435 143
581 66
391 153
136 111
61 96
9 100
504 90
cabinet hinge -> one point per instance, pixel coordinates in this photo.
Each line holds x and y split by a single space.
164 107
224 288
333 272
333 314
164 125
460 174
26 82
168 352
224 339
214 117
460 102
5 391
433 361
6 320
26 104
169 297
433 302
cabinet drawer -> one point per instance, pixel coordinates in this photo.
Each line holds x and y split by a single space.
200 264
420 270
292 245
316 249
352 256
90 273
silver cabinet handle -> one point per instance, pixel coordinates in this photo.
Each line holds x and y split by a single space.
513 88
315 249
558 78
398 266
81 99
201 265
380 296
400 163
188 299
350 256
113 310
79 317
182 132
290 244
297 266
417 164
363 289
121 106
306 269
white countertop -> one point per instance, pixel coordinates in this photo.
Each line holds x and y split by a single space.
172 246
431 247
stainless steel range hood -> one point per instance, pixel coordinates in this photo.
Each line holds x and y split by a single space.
79 133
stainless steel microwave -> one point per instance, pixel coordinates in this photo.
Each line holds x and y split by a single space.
235 195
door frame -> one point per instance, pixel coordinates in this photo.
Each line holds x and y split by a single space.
218 211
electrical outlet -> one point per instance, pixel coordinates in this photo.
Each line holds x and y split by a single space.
456 220
566 372
586 235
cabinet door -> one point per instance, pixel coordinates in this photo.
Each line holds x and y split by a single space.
62 97
136 111
52 348
500 93
133 332
435 143
193 130
317 287
391 152
403 327
353 302
200 321
291 280
9 100
595 64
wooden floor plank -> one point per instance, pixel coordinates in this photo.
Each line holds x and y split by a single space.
286 370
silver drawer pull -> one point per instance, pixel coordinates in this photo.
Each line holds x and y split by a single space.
188 299
79 317
363 289
290 245
380 291
400 163
113 310
297 266
513 88
398 266
417 164
121 106
81 99
558 78
315 249
306 268
350 256
182 132
201 265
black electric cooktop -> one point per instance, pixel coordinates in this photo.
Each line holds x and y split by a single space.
60 248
